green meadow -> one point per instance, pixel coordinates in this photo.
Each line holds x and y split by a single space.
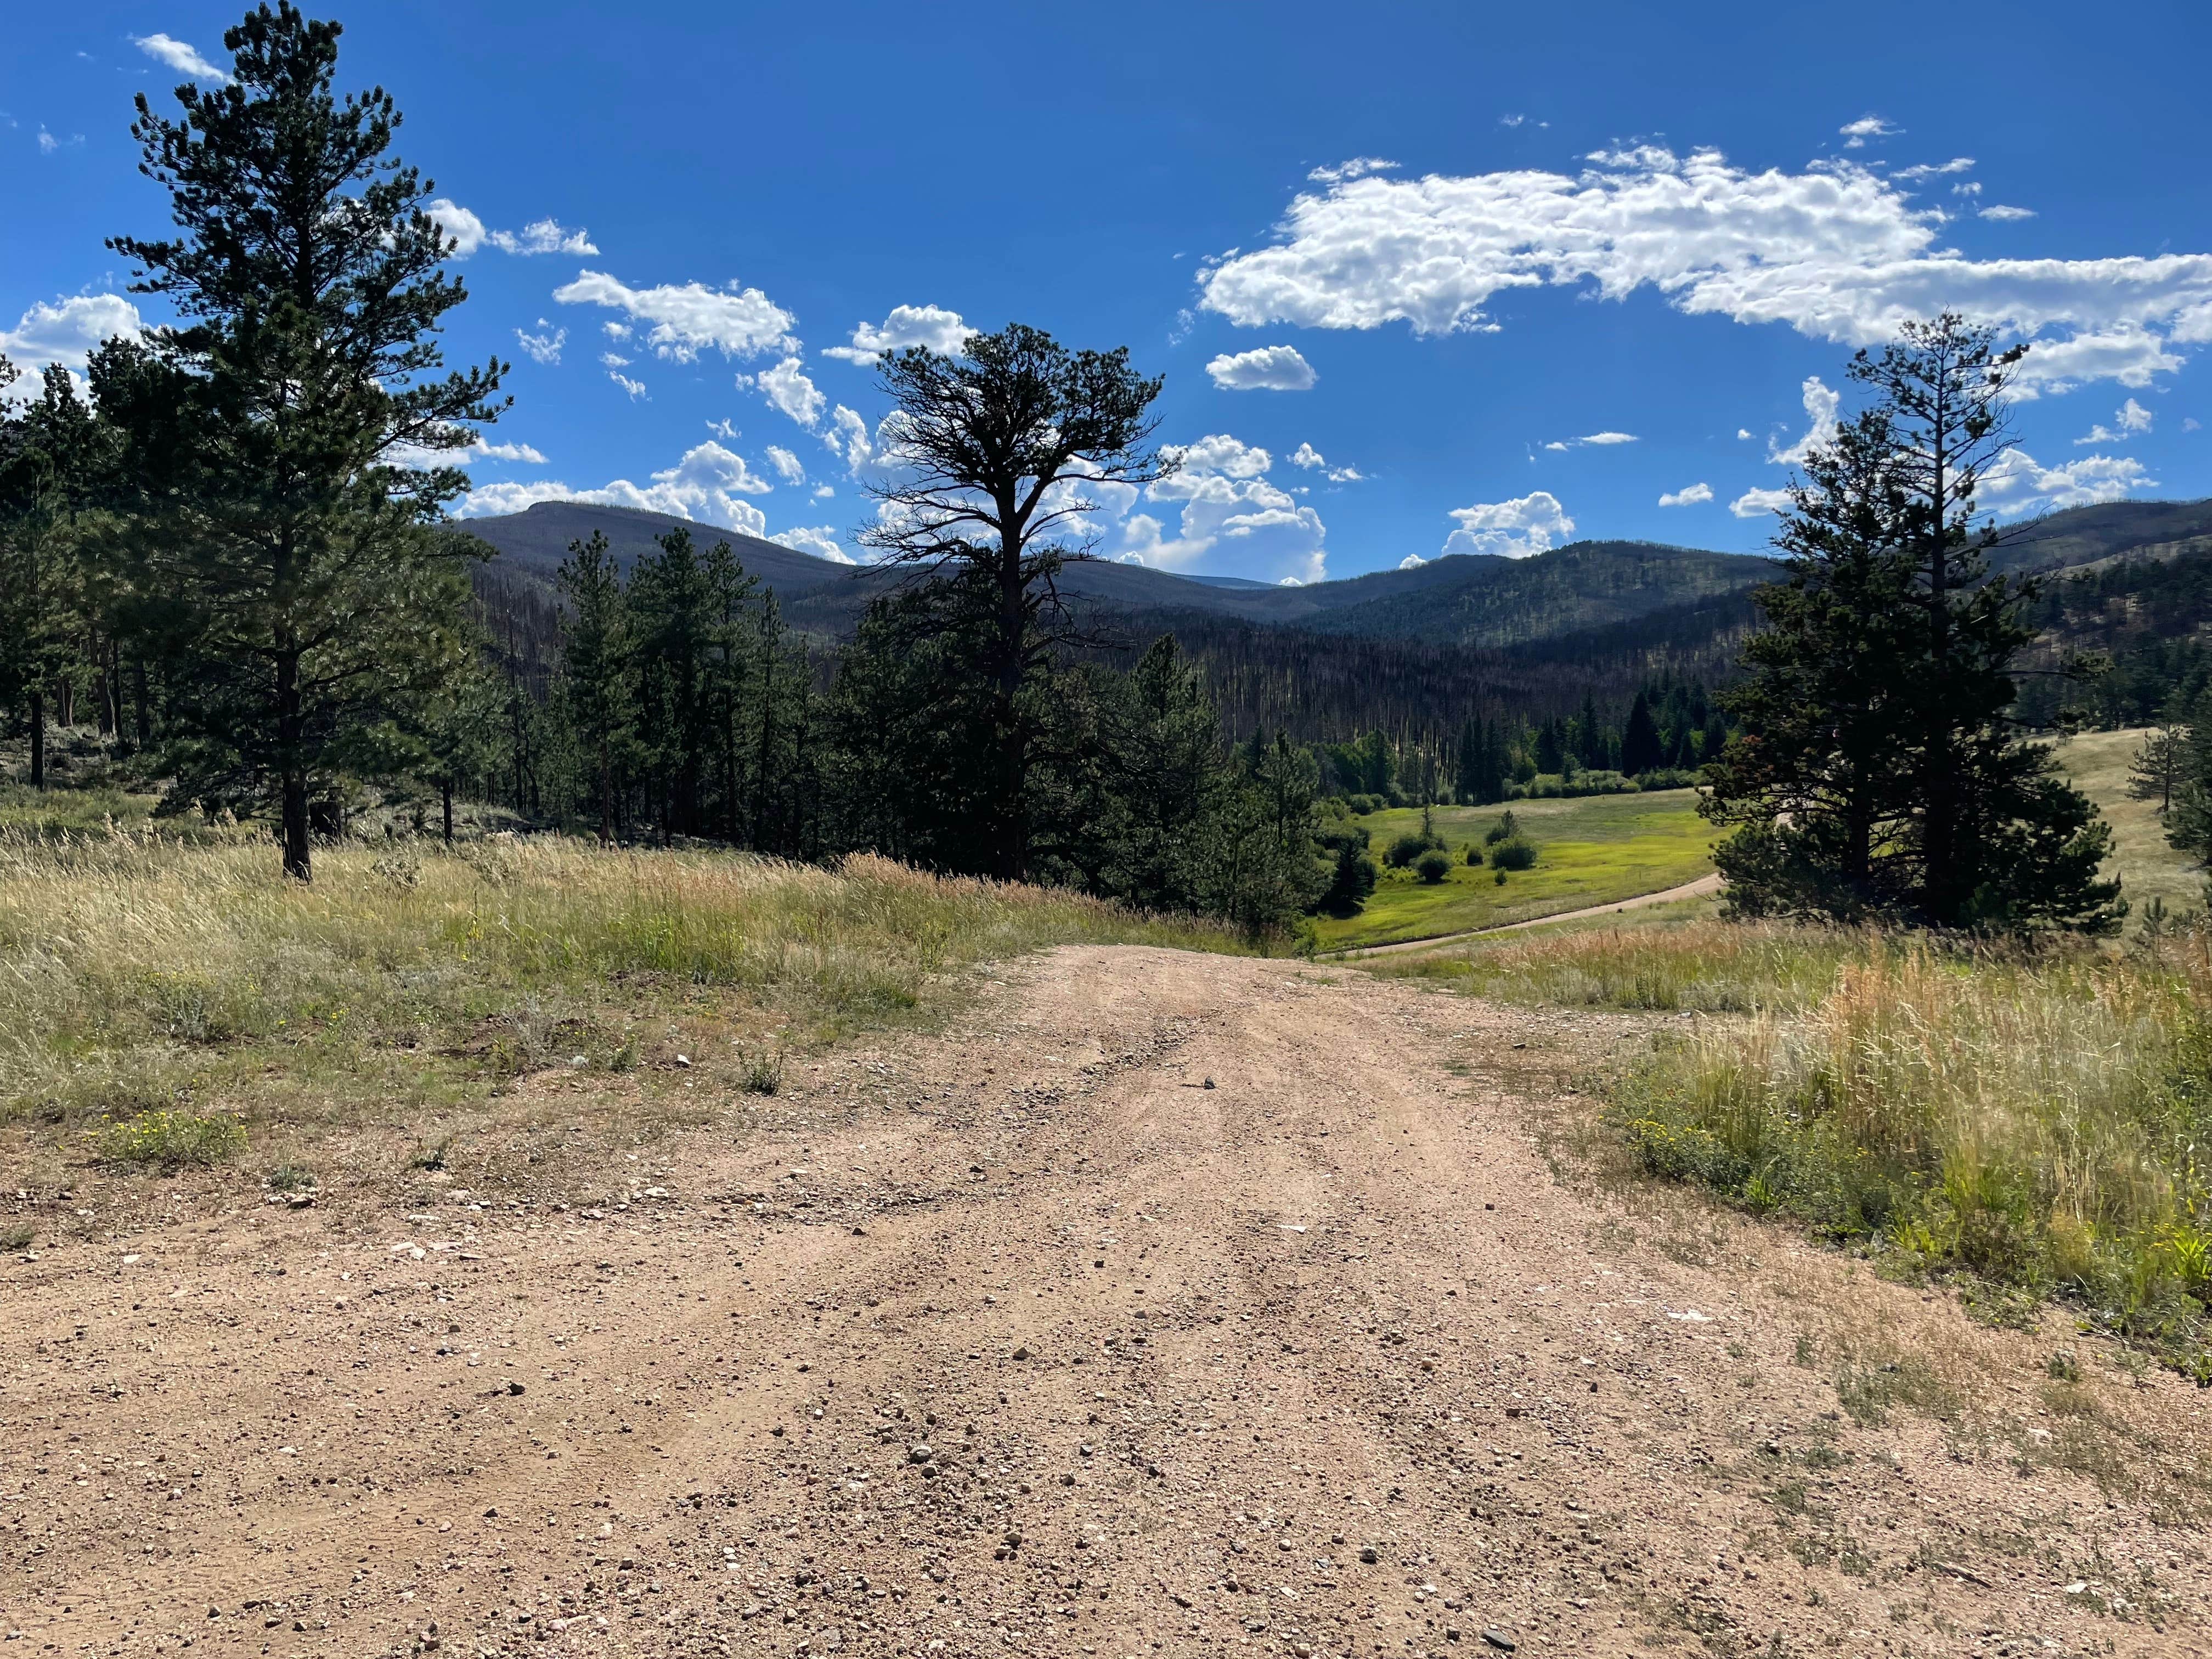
1589 851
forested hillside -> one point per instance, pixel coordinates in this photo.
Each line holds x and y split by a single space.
1412 653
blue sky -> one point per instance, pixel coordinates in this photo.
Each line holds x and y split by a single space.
1420 278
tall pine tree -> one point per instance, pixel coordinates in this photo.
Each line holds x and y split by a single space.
1879 772
302 596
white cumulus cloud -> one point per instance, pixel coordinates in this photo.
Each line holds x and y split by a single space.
544 348
820 540
688 318
1513 528
1855 133
1931 170
787 465
787 388
1360 166
1690 497
68 330
2130 417
1312 460
543 236
469 233
635 388
1836 251
180 56
2001 210
1754 502
467 230
1267 368
1232 517
933 326
2018 484
1821 403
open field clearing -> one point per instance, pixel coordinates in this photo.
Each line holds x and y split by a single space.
2097 763
1020 1338
1592 850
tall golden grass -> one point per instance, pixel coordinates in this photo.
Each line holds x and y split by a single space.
137 971
2037 1119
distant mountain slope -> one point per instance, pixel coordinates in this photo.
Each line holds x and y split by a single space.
2083 535
1467 599
537 540
1490 602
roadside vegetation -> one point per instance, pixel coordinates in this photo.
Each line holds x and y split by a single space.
2027 1121
164 1004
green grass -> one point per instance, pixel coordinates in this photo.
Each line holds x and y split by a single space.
157 995
1592 850
2098 763
2029 1121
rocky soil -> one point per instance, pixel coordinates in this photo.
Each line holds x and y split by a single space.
1168 1304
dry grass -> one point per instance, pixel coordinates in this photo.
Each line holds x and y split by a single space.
140 975
2031 1121
1669 964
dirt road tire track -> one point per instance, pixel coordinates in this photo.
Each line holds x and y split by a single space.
1319 1360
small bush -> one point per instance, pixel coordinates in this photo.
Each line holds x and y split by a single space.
1514 853
1505 828
18 1237
1433 866
1403 851
760 1070
1474 854
171 1140
1361 806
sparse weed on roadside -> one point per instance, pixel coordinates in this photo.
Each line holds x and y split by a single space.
170 1140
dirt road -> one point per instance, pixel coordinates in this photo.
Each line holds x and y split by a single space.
1023 1340
1701 888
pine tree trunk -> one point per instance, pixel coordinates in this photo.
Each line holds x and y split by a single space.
38 738
606 797
142 713
292 769
446 801
1009 839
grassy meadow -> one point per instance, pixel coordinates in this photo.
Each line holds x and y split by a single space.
165 1003
1591 850
2097 763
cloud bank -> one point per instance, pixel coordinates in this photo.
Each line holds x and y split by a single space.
1836 251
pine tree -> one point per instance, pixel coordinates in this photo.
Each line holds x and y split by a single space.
51 456
1880 771
596 690
1551 755
1004 446
2159 764
300 595
1641 747
2189 822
